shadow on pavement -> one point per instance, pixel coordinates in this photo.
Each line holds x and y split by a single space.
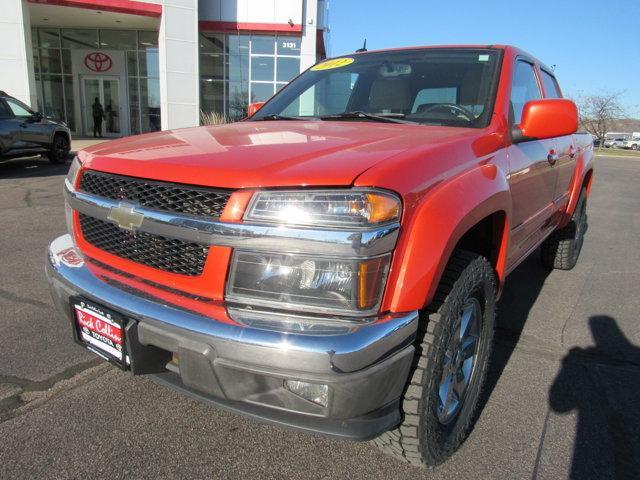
32 167
601 384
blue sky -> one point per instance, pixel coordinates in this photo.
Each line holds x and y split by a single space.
594 44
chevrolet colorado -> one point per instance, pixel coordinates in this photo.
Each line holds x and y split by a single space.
331 263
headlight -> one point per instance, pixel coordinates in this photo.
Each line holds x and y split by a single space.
345 208
72 176
74 169
305 283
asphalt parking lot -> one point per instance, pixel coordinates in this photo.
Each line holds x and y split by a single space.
563 399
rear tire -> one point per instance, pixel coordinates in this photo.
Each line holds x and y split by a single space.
60 148
440 402
562 249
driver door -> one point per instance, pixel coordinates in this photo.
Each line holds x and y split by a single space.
532 176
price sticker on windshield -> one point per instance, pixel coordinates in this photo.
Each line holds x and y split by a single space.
335 63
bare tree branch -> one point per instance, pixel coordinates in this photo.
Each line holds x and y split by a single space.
598 112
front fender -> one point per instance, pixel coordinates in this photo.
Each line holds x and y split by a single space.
432 228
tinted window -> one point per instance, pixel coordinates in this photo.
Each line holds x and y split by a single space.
4 110
550 86
19 109
524 88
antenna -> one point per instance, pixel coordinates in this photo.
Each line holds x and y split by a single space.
364 47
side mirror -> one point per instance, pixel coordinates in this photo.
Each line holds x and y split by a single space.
38 116
254 107
546 119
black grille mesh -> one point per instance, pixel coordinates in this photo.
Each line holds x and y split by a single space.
170 197
168 254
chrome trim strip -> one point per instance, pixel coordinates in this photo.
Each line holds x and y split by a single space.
250 236
363 345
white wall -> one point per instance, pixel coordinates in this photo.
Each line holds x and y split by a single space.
179 69
308 46
16 58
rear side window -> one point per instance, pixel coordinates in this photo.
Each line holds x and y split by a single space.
523 89
551 88
4 110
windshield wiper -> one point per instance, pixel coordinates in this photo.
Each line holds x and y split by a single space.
277 117
380 117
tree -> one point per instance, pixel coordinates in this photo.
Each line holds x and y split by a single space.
598 112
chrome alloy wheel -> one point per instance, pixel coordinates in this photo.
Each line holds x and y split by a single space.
459 361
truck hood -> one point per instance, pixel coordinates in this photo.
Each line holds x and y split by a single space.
265 154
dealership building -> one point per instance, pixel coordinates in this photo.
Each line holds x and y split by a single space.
155 64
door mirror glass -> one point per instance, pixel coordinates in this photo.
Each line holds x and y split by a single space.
546 119
38 116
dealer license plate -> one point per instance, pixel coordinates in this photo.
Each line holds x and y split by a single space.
101 331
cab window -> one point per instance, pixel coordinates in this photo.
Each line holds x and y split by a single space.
551 88
523 89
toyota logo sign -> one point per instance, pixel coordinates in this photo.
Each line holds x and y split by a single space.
98 62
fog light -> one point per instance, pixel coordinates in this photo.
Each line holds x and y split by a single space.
313 392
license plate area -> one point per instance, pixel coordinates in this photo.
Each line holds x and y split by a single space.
101 330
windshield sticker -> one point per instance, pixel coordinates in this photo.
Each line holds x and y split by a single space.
483 58
336 63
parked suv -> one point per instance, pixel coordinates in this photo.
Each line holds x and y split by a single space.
26 132
614 143
633 144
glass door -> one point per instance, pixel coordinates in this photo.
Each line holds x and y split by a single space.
101 107
91 94
111 97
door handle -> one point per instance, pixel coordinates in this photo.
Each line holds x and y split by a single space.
552 157
23 125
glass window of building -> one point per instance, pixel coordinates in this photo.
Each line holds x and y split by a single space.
58 89
238 69
48 37
263 45
118 39
262 68
79 38
287 68
147 40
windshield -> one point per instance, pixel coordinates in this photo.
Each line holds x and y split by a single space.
451 87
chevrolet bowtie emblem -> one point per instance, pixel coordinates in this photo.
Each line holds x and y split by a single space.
125 216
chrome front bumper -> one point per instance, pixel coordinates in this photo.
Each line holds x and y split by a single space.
242 368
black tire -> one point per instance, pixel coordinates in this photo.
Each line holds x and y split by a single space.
60 147
425 438
562 249
634 147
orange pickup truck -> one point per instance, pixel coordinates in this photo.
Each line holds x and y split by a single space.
331 263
